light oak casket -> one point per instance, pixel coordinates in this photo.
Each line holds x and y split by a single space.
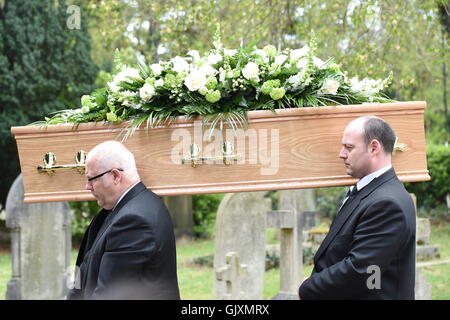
292 149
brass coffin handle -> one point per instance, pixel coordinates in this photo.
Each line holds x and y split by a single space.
50 160
227 158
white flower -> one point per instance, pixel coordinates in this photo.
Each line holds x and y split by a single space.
299 53
251 71
330 86
318 63
264 56
222 74
214 58
180 65
147 92
366 86
280 59
302 63
123 76
113 86
194 54
84 109
208 70
229 52
156 69
195 80
159 83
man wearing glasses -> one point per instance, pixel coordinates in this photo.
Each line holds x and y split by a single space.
128 251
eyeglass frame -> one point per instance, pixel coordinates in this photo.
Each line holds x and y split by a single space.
102 174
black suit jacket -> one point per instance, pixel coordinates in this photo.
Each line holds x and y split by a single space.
129 253
376 229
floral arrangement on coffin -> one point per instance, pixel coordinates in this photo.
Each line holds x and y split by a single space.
222 85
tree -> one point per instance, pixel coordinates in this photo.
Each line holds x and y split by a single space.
44 66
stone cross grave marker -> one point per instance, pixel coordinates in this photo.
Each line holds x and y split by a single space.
232 273
241 229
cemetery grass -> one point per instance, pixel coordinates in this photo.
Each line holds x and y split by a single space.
439 275
196 282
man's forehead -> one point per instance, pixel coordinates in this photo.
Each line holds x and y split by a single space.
352 134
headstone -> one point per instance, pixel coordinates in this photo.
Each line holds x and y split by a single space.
423 231
233 274
40 246
424 250
291 220
241 229
180 208
422 288
310 219
287 221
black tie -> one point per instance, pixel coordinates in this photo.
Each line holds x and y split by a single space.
349 196
352 193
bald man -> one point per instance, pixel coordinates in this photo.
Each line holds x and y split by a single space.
128 251
369 252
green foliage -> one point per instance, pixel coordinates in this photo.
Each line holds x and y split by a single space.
82 214
329 200
205 207
431 194
44 66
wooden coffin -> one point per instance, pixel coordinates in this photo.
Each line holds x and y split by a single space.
294 148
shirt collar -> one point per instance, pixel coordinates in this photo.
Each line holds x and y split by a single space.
367 179
123 195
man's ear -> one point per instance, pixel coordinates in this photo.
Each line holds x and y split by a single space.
375 147
117 175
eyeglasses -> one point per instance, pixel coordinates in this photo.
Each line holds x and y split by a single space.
102 174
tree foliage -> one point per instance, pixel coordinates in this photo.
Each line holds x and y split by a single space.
44 66
369 37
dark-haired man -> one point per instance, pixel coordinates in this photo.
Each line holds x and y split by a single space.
369 252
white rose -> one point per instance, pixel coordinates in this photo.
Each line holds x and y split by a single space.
180 65
299 53
318 63
194 54
156 69
147 92
302 63
207 70
159 83
279 60
262 54
230 52
330 86
195 80
129 73
214 58
113 86
125 75
251 71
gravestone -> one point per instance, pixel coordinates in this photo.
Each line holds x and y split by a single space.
232 274
425 250
290 219
241 233
422 289
40 246
180 209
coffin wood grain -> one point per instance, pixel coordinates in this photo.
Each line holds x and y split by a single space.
309 144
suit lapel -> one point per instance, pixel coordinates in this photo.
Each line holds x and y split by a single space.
138 188
90 235
349 208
